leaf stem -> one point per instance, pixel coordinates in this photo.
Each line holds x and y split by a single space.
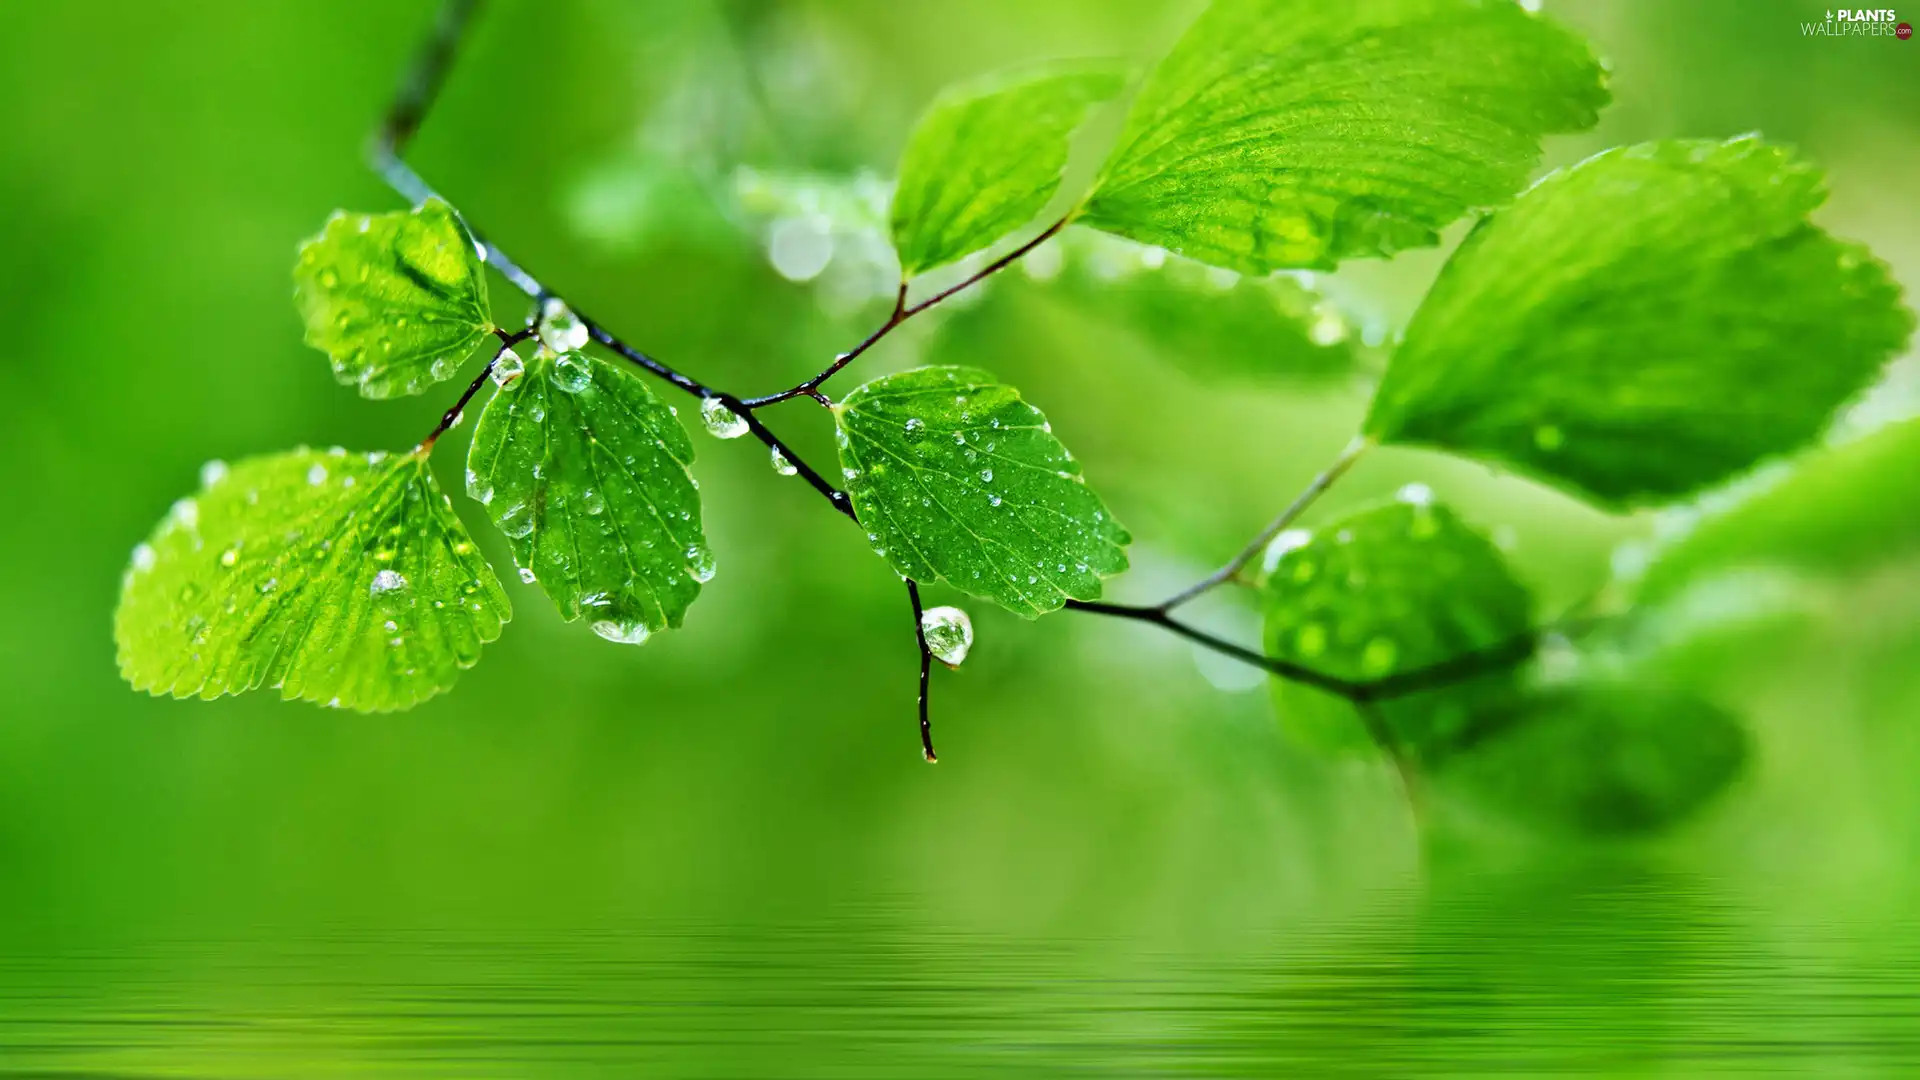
926 666
1273 528
422 86
901 313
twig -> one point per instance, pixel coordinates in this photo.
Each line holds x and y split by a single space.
1287 517
901 313
926 666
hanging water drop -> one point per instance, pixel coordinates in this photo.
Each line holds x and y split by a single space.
780 463
721 422
626 633
949 634
479 488
700 565
560 329
508 367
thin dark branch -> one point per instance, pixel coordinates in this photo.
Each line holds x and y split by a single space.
926 666
1287 517
422 86
901 313
452 415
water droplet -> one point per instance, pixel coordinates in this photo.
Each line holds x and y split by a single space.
560 329
915 426
1415 494
1378 657
317 474
986 476
516 521
721 422
780 463
1548 438
949 634
508 367
143 558
479 487
800 247
187 513
700 565
230 556
213 472
527 576
387 581
993 500
626 633
269 585
571 372
593 502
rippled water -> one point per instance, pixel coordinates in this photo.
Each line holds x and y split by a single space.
1643 975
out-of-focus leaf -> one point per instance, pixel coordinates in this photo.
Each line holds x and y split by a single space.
1644 324
1291 133
585 471
1840 511
956 478
396 300
333 577
985 159
1602 758
1384 591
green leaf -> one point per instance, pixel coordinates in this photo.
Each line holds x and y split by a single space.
332 577
397 300
1392 589
586 472
1842 510
1603 758
1643 324
985 159
1293 133
956 478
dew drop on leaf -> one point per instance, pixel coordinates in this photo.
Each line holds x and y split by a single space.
387 581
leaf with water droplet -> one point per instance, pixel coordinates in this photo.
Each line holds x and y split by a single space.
397 300
588 471
922 497
1651 321
1293 133
986 157
1600 757
1380 592
282 582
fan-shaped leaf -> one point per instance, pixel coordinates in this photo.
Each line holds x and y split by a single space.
332 577
985 159
956 478
586 472
1394 589
1648 322
1293 133
397 300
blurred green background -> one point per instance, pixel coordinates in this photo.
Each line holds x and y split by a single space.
1102 790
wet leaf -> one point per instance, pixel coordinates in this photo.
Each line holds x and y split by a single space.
1381 592
985 159
396 300
585 471
332 577
1290 133
956 478
1644 324
1603 758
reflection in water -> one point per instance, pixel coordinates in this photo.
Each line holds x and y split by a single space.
1601 975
